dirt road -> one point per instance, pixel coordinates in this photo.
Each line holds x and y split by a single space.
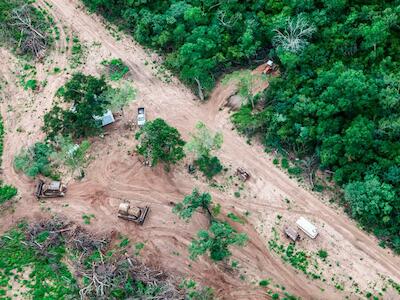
114 175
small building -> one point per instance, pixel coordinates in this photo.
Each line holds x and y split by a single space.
106 119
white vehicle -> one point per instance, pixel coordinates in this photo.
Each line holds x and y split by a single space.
141 116
307 227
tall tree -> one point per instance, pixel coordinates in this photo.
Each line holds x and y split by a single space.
160 142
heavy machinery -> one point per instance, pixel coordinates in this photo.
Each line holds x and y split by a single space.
269 67
50 190
242 174
134 214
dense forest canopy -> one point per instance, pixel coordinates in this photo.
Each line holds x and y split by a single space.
338 93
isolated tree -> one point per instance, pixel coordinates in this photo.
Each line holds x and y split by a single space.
72 155
294 36
85 93
191 203
216 241
160 142
203 141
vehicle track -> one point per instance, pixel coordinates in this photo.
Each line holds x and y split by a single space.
114 175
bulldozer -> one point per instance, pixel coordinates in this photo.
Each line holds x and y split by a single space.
50 190
134 214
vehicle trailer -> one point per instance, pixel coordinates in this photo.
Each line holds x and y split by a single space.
307 227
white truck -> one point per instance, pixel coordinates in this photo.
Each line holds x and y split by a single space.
307 227
141 117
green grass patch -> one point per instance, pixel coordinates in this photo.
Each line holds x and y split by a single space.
235 218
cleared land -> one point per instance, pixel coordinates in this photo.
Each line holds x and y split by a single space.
355 261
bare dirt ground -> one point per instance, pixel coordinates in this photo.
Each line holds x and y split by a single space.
355 260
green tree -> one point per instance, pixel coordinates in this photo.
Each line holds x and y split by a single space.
191 203
203 141
216 241
85 93
371 201
160 142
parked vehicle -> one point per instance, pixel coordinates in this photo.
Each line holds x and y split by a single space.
307 227
141 117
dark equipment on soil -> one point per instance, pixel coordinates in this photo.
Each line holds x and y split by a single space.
53 190
134 214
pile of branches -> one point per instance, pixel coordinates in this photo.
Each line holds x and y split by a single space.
101 274
32 39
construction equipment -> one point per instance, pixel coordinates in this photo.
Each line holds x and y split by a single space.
291 233
134 214
242 174
52 190
269 67
307 227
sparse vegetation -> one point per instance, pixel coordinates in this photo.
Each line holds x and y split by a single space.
116 68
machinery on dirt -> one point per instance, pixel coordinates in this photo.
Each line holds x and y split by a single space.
141 117
53 189
270 66
242 174
134 214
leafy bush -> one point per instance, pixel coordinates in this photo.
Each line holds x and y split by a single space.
323 254
210 166
35 160
7 192
191 203
116 68
216 241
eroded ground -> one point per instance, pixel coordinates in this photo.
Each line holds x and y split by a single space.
355 263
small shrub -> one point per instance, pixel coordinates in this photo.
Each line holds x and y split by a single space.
116 68
323 254
285 163
209 166
31 84
264 282
236 194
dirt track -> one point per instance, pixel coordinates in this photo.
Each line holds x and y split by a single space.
115 175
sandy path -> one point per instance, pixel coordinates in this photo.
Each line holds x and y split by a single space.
114 175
